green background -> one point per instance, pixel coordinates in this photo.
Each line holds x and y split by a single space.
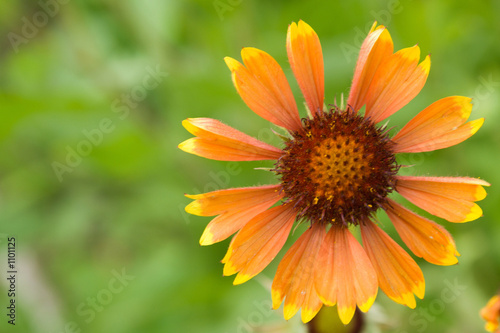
120 208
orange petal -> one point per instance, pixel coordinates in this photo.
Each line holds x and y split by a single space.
294 278
451 198
425 238
271 76
376 48
344 274
221 142
238 211
440 125
264 88
258 242
398 274
490 313
306 60
234 199
397 81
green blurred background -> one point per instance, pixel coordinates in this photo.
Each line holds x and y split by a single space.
114 80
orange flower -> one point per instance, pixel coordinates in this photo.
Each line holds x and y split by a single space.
336 169
490 313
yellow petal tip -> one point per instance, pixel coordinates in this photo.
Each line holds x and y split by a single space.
207 238
229 269
232 64
185 123
307 314
250 52
228 255
190 125
194 208
480 193
276 297
346 314
326 302
490 327
420 289
188 146
426 64
289 311
475 125
368 304
475 213
408 299
241 278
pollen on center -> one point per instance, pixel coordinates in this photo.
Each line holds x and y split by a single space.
339 170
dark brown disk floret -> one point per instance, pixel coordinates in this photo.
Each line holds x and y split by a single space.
339 170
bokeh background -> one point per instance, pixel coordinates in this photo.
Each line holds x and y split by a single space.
92 95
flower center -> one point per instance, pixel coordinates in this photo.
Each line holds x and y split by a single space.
339 170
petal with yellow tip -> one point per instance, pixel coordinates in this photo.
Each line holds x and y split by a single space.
218 141
294 279
376 48
398 274
344 274
425 238
397 81
231 221
306 59
234 199
451 198
264 88
235 208
491 313
258 242
442 124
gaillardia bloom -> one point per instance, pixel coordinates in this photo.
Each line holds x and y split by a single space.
336 169
491 313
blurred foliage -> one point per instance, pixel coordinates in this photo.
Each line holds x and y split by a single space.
67 66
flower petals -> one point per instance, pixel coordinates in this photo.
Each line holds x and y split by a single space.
451 198
294 278
397 81
491 313
234 199
221 142
226 224
236 207
440 125
344 274
264 88
306 59
376 48
398 274
258 242
270 74
425 238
